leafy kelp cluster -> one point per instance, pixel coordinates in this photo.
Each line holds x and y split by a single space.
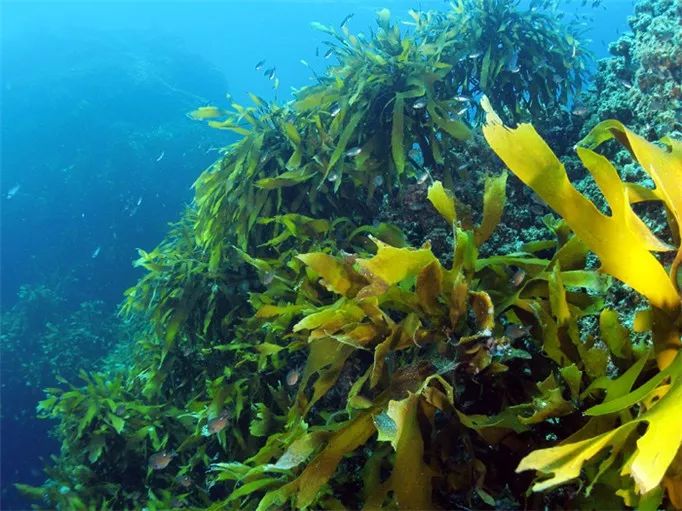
301 354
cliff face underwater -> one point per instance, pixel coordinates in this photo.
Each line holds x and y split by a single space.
390 292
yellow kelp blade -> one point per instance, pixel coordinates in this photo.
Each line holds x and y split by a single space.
305 487
392 265
443 201
336 276
620 246
494 199
655 451
411 477
664 167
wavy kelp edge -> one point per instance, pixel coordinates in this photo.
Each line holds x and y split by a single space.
623 244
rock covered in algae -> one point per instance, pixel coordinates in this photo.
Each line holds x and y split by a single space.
641 84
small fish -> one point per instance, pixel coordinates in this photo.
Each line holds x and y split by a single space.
270 73
267 278
184 481
329 53
537 210
205 112
419 104
139 200
346 19
537 199
216 424
513 64
579 111
463 110
13 191
518 277
475 55
275 84
422 179
462 99
163 153
305 63
335 112
95 253
292 377
260 65
161 459
120 410
353 152
514 331
626 84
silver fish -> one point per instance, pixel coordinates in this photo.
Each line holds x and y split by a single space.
419 104
513 64
13 191
353 152
580 111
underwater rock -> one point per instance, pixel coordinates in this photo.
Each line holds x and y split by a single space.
649 59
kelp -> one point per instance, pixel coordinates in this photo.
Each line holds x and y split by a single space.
408 91
301 354
623 244
609 236
417 332
531 64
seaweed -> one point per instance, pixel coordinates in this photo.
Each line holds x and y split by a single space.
623 244
297 353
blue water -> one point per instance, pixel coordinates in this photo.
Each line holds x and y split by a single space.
100 155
